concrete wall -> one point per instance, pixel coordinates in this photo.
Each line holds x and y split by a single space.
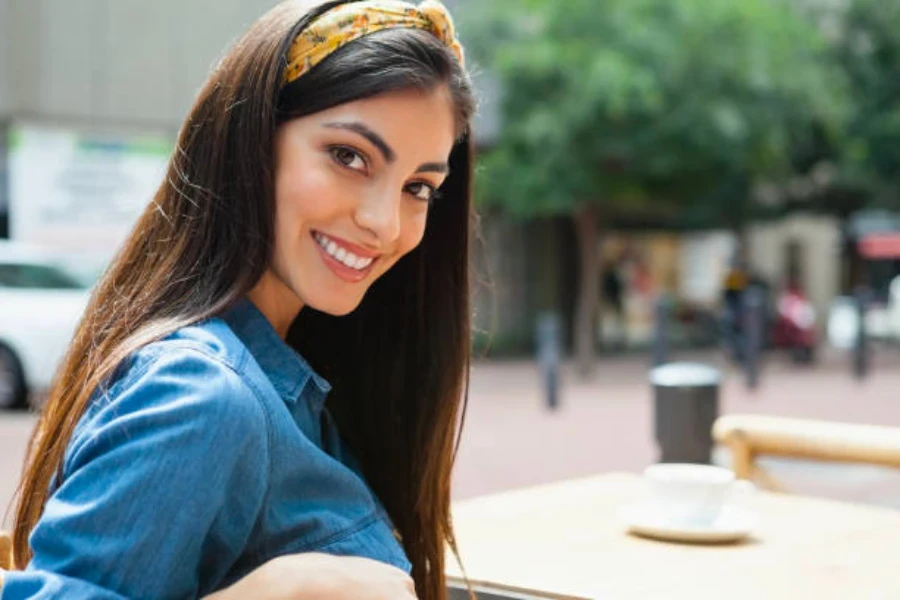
121 64
6 47
127 63
6 63
820 239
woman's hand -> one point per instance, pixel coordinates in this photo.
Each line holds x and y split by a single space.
321 577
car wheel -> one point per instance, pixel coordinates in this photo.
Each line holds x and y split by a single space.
13 391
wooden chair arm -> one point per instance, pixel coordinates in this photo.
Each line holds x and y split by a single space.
756 435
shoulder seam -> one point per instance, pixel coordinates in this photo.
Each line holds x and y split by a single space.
144 366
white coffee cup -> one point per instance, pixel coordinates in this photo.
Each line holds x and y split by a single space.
691 494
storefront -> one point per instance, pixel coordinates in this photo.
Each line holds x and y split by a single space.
872 252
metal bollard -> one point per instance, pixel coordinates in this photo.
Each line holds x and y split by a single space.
686 404
861 345
661 331
754 307
549 353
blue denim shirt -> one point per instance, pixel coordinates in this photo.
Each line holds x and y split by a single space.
210 454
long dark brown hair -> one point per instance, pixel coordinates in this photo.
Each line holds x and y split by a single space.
398 364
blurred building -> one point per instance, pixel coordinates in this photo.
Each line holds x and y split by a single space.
92 94
806 248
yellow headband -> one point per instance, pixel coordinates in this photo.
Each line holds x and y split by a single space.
347 22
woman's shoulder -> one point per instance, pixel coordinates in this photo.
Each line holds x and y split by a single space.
178 392
198 369
210 341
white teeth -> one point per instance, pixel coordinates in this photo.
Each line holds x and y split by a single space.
341 254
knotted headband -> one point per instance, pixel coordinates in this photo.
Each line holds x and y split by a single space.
347 22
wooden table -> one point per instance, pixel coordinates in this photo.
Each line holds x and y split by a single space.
565 540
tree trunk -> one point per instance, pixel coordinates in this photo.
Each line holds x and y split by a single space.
588 300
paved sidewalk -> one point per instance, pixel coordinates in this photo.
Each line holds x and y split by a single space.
606 423
14 431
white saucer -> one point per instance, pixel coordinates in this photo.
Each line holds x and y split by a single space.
732 525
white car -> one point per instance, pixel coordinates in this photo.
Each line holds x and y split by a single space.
41 303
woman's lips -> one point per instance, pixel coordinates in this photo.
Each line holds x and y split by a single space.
348 274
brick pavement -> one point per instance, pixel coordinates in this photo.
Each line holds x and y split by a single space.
14 431
606 423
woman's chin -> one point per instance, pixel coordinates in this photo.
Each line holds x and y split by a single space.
336 309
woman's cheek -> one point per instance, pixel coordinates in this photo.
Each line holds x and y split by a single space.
316 194
417 231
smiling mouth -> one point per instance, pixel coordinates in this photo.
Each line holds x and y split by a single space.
343 262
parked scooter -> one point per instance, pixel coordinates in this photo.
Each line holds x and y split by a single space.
794 329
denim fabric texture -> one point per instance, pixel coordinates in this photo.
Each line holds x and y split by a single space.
209 453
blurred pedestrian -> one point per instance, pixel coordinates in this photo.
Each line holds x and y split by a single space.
734 288
614 300
309 241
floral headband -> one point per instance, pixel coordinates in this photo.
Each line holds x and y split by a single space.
347 22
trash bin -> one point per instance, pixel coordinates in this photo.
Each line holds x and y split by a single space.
686 404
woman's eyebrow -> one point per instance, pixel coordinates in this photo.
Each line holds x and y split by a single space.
433 167
363 130
378 141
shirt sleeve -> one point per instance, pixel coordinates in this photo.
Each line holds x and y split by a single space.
161 488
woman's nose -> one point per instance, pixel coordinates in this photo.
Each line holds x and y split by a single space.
379 212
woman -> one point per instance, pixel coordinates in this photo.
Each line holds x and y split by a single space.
310 241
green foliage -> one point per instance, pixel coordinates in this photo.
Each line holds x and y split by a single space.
645 105
868 49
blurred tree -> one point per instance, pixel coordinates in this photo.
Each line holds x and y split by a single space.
644 107
868 50
841 175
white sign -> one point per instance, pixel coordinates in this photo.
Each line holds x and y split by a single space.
77 191
705 258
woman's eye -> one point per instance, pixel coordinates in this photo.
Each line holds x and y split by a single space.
347 157
422 191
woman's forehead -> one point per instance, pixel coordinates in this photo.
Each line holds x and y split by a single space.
407 114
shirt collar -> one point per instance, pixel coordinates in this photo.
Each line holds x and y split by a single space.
286 369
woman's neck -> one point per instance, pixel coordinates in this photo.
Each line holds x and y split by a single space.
276 302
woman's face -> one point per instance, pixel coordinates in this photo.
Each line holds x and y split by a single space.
352 189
